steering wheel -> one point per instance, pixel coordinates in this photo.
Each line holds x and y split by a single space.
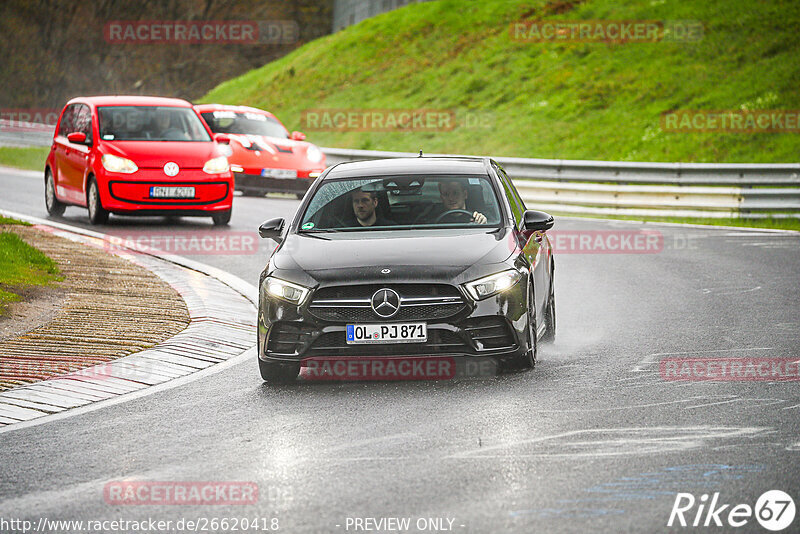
174 134
459 213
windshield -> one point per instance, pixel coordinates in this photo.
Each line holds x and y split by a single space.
150 123
402 202
244 123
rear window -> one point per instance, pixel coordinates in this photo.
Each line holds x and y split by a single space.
150 123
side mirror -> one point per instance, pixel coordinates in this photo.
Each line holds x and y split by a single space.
538 221
222 138
272 229
77 137
297 136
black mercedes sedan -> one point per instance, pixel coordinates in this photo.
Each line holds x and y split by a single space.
424 257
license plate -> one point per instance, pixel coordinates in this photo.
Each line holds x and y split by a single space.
359 334
171 192
279 173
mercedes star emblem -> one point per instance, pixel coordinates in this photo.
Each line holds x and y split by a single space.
385 271
385 302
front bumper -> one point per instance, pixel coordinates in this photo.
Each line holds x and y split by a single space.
130 194
495 327
255 183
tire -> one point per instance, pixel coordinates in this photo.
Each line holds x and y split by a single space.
550 313
278 373
222 218
97 214
51 202
528 359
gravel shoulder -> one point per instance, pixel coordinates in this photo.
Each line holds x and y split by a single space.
105 308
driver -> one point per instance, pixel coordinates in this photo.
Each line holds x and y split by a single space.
454 197
364 205
165 129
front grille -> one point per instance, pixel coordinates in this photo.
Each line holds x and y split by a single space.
288 338
439 342
418 302
490 333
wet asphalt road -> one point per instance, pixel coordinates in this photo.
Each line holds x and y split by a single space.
593 439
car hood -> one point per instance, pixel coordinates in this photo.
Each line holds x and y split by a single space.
408 254
154 154
273 152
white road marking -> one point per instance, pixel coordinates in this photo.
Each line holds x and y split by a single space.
604 442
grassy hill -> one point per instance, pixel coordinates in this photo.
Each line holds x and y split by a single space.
549 100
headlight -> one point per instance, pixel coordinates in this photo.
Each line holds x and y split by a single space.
314 154
491 285
286 290
113 163
216 165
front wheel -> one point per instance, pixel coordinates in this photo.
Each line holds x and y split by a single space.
97 214
527 360
222 218
277 372
51 202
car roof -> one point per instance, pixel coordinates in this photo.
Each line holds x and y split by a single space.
417 165
227 107
127 100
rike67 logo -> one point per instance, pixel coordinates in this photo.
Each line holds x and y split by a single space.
774 511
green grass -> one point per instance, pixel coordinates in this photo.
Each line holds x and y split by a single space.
21 267
30 158
9 220
548 100
779 224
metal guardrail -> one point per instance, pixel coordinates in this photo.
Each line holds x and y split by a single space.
708 190
14 134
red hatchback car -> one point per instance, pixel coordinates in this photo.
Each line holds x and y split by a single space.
136 155
264 157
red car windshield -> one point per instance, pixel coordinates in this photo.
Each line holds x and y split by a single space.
234 122
150 123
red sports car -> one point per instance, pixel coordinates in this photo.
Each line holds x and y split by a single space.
264 157
135 155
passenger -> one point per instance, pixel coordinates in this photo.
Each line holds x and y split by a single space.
365 204
133 124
